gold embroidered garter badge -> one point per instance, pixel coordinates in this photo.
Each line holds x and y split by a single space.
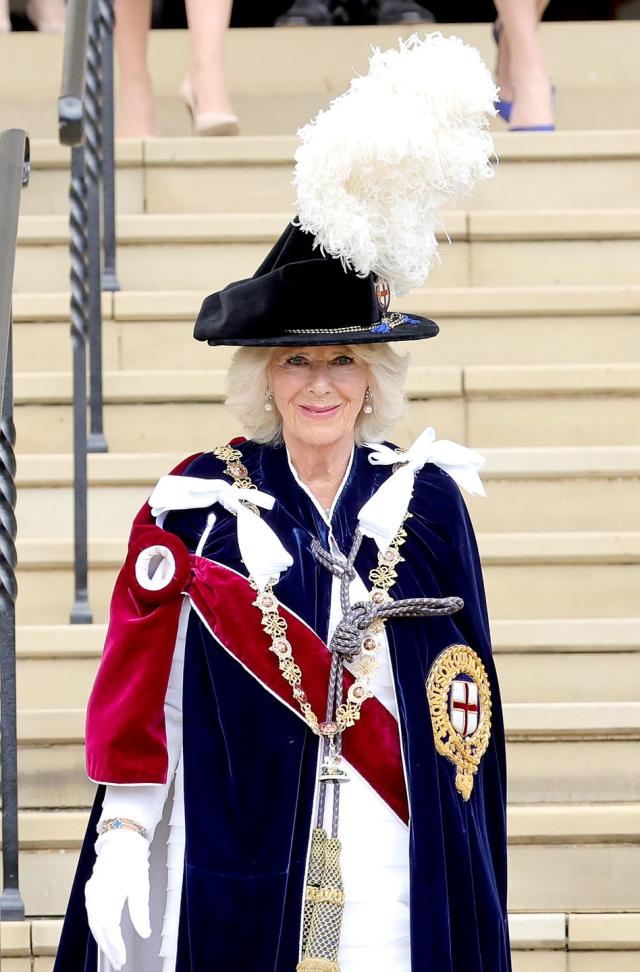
459 697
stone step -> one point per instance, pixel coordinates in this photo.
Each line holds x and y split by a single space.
594 852
479 326
562 488
489 248
615 108
493 406
557 752
537 661
278 81
549 938
531 575
570 169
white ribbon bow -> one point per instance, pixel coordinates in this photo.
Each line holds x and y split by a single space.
382 515
261 550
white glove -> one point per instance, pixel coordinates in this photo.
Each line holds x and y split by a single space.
121 871
120 874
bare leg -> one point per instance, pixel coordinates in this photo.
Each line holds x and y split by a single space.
208 22
135 114
532 96
47 15
5 22
503 64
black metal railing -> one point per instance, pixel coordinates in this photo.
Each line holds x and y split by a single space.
85 114
14 174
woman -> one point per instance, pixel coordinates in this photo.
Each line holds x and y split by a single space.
297 696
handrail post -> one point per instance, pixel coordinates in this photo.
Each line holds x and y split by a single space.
12 905
107 24
79 314
14 174
72 120
92 157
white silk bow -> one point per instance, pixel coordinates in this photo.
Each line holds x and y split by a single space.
261 550
382 515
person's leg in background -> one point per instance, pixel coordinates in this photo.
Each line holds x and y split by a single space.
45 15
205 89
134 102
521 71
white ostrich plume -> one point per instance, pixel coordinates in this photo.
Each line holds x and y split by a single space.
375 169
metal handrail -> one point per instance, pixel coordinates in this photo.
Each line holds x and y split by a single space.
14 174
85 113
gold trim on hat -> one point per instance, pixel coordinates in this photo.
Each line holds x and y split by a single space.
391 320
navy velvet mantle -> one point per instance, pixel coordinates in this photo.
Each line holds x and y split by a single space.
250 762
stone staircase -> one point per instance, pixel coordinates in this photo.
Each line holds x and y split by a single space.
537 365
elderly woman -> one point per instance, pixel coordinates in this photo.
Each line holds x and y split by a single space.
296 724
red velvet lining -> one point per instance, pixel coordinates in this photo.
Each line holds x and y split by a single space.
125 732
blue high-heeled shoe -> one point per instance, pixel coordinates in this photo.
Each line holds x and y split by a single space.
538 128
502 105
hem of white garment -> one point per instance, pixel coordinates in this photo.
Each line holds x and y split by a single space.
175 874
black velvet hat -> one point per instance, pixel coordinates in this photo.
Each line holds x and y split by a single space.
300 296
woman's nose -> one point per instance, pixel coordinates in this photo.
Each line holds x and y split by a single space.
319 377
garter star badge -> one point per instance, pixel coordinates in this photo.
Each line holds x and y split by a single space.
459 697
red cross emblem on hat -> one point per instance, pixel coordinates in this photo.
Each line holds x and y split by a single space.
464 707
383 294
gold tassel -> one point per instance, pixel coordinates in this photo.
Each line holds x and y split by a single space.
320 951
314 877
317 965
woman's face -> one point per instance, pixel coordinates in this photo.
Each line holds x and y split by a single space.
319 392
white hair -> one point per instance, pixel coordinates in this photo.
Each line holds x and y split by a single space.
248 383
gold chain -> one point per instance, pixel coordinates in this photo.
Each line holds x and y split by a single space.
382 577
235 467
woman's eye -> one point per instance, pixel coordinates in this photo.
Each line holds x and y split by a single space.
295 359
343 359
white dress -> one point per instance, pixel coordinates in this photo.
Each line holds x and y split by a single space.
375 842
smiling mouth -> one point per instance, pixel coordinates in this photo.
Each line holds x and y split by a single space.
319 411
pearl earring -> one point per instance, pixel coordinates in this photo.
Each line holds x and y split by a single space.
268 405
368 402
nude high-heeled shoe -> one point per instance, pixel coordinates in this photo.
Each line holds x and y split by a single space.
207 122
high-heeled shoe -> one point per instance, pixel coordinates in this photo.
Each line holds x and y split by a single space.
503 106
551 127
207 122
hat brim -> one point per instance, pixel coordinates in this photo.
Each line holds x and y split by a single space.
418 329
